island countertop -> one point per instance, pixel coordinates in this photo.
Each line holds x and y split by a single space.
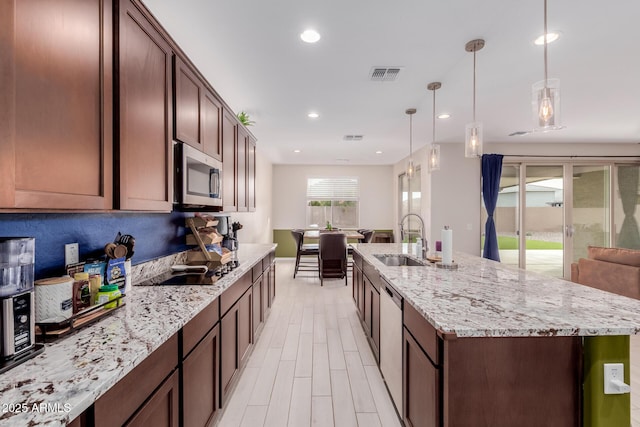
72 373
484 298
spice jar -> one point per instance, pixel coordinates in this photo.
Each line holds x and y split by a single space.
108 293
81 292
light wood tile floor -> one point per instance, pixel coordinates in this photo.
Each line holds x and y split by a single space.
312 365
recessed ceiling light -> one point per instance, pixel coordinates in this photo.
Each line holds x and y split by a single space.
296 151
310 36
444 116
313 115
378 152
551 37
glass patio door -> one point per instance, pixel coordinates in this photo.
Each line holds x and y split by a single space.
544 205
548 214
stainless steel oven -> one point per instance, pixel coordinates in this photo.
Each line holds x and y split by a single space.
198 180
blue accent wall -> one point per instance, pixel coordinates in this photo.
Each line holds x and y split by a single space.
157 235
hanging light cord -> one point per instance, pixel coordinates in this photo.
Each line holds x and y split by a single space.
545 44
433 139
410 135
474 85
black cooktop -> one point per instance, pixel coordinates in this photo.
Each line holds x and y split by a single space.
192 278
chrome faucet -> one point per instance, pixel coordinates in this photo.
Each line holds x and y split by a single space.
422 233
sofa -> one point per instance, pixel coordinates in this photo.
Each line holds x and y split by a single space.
614 270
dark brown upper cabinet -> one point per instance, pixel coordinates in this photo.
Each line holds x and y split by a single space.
56 106
198 113
251 174
241 175
144 152
229 164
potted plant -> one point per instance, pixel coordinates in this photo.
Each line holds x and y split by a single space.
243 117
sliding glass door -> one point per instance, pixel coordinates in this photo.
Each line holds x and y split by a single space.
549 213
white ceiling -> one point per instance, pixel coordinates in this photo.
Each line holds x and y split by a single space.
251 53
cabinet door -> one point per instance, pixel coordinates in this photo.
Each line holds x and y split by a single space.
145 178
188 96
56 106
241 175
161 410
375 322
258 296
421 386
266 295
229 164
272 284
360 290
228 351
368 291
245 325
251 175
211 110
200 381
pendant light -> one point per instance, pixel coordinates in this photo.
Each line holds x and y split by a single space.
434 150
473 130
410 167
545 98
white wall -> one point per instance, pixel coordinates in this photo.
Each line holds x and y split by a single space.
257 227
290 193
451 196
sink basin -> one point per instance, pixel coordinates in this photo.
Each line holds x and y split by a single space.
399 260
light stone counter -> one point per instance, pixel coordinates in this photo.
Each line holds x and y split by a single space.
58 385
484 298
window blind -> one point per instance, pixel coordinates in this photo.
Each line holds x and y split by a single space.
342 188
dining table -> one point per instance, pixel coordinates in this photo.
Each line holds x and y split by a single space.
315 234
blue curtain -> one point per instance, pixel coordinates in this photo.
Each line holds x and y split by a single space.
491 172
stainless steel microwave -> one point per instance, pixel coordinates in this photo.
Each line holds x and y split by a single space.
198 180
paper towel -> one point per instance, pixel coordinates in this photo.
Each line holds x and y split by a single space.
447 246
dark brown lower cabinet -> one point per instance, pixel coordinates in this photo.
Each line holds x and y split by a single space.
358 291
421 386
235 341
272 283
488 381
258 308
161 410
151 387
200 381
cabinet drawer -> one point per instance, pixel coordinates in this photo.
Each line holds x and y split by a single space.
198 327
235 291
357 259
257 271
423 332
131 391
372 274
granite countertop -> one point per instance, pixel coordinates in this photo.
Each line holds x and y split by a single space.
484 298
58 385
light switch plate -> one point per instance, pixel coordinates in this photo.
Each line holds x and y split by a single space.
71 253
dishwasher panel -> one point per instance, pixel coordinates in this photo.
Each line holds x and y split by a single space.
391 342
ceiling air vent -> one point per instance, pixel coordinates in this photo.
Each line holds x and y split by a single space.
520 133
353 137
384 74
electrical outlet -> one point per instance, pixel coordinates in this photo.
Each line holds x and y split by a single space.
71 253
614 379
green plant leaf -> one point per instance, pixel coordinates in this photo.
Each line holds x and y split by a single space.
243 117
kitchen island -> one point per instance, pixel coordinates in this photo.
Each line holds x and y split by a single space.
73 373
488 344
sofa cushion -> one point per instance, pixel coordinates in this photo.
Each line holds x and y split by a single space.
617 278
615 255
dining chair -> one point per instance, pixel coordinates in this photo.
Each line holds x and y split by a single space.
368 235
333 256
304 250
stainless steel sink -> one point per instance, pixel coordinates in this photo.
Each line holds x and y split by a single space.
399 260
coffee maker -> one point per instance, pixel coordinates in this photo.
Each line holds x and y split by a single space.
17 305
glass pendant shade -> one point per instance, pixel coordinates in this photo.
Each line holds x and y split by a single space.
410 169
545 103
473 140
434 157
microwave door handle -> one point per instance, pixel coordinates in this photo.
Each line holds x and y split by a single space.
214 191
